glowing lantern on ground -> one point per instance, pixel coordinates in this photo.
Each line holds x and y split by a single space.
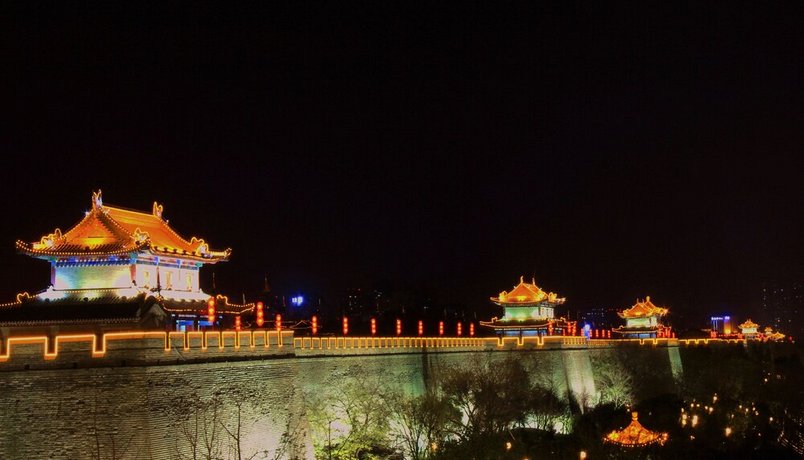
440 328
471 329
314 325
421 328
373 327
399 327
460 328
345 326
260 314
237 323
279 324
211 310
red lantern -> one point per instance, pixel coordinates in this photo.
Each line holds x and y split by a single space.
373 327
460 328
315 325
421 328
260 314
398 327
345 326
237 323
471 329
440 328
279 324
550 328
211 310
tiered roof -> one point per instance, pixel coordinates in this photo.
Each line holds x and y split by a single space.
108 230
643 310
749 324
527 294
635 435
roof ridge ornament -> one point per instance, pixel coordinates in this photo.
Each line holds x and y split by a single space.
202 248
157 210
50 240
140 236
97 200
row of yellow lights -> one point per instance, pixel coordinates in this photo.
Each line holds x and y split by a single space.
252 336
167 337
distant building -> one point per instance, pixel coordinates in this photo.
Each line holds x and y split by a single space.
599 318
721 325
364 302
528 310
643 320
782 306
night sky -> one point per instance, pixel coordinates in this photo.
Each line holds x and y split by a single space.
611 152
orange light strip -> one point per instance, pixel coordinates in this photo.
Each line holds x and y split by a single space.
234 339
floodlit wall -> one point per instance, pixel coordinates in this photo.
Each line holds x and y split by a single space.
92 277
170 277
161 411
156 347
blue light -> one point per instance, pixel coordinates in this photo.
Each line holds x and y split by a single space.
297 301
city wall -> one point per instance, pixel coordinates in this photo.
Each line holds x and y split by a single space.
147 405
146 348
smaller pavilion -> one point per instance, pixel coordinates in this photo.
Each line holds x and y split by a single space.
642 321
773 336
635 435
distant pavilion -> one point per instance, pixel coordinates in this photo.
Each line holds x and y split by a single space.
635 435
528 310
643 320
749 329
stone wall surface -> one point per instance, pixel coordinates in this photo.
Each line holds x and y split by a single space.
171 411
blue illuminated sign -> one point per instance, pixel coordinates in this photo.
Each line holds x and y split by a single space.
297 301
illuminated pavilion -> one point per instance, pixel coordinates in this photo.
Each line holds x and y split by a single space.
528 311
635 435
749 329
773 336
120 269
643 320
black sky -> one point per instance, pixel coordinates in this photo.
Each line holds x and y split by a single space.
611 151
